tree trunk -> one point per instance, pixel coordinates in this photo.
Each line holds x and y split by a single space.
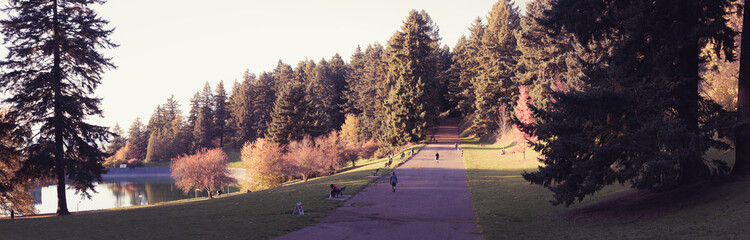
62 204
742 153
688 65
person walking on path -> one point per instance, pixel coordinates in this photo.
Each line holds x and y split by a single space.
456 146
394 180
437 156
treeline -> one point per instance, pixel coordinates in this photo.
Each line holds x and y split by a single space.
396 92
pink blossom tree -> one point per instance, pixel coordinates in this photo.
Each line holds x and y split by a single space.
523 114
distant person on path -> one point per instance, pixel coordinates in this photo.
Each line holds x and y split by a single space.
412 151
403 155
437 157
394 180
456 146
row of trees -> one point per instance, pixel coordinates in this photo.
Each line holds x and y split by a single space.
396 92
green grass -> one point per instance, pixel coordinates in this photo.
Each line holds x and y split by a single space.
257 215
234 155
508 207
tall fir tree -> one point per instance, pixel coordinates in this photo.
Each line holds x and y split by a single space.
638 117
288 119
241 110
497 60
411 66
354 75
264 97
118 141
138 138
337 70
548 57
52 69
221 113
321 94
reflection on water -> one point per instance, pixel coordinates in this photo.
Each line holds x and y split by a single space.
115 193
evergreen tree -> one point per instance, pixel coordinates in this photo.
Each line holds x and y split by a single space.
638 117
264 97
337 71
498 54
547 56
321 94
410 72
156 146
465 68
51 71
288 119
118 141
241 110
138 138
373 91
220 112
354 75
203 127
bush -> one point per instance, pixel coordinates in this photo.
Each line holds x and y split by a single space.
265 165
369 148
205 170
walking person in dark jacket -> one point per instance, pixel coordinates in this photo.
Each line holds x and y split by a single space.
394 180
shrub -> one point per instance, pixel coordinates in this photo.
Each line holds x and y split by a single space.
266 168
369 148
205 170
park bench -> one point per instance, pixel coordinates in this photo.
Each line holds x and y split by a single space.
338 194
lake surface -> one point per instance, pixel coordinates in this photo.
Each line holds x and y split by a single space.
116 192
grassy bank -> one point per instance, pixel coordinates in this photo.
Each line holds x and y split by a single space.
257 215
508 207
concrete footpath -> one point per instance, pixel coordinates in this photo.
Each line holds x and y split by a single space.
431 201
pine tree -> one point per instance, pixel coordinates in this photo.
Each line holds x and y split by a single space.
220 112
138 138
411 68
118 141
638 116
497 55
547 57
353 76
264 97
241 110
321 94
288 119
337 70
203 127
51 71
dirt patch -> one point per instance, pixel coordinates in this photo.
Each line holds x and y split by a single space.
634 205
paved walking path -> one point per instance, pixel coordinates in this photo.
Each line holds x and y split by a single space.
431 201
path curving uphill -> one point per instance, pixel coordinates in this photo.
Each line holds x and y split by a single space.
431 201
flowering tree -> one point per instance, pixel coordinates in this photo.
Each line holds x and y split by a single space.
306 158
523 115
264 163
207 170
333 150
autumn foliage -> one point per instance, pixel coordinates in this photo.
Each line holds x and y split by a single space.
206 170
523 115
264 163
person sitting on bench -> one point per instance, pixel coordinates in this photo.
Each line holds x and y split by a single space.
335 190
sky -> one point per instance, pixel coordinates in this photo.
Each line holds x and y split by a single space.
173 47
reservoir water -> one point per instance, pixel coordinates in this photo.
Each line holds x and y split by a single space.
118 190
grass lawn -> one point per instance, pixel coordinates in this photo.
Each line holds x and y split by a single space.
257 215
234 155
508 207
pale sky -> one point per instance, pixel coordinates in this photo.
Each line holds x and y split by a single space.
176 46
